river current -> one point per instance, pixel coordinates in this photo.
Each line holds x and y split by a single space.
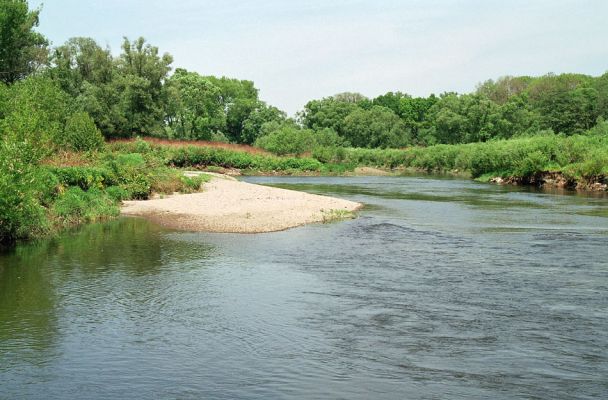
440 289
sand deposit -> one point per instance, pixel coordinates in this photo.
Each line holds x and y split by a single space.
231 206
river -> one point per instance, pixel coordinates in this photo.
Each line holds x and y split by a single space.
440 289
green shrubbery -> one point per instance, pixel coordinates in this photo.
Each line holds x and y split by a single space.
21 191
283 139
81 134
76 206
199 156
578 156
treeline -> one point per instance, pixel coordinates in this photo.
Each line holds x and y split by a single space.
136 93
502 109
133 93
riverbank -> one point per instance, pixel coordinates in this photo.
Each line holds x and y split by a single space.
230 206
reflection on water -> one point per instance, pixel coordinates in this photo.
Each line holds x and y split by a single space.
440 289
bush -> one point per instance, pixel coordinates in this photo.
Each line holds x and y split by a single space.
35 112
81 134
83 177
282 139
287 139
532 164
21 214
75 206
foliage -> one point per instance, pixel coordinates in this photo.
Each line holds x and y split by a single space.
288 138
21 187
193 110
76 206
81 134
377 127
577 156
22 50
238 98
36 112
327 113
263 114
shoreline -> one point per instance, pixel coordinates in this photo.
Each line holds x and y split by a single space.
231 206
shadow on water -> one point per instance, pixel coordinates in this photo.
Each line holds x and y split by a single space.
36 278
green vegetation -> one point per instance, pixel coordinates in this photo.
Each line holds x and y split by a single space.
57 105
577 157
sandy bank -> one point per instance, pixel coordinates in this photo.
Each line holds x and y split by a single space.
239 207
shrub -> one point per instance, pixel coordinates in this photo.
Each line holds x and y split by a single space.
35 112
21 214
76 206
81 134
83 177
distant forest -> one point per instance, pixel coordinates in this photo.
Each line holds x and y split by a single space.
138 93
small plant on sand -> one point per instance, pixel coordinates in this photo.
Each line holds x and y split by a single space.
336 215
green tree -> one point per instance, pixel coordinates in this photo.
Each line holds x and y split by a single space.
327 113
239 98
601 86
262 114
81 60
504 88
36 113
81 134
22 50
377 127
141 75
566 103
86 71
194 110
21 214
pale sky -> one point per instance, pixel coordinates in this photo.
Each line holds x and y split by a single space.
296 51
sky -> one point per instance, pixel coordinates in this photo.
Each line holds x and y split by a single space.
296 51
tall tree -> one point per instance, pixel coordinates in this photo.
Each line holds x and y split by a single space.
193 108
377 127
327 113
86 71
262 114
141 75
239 98
22 50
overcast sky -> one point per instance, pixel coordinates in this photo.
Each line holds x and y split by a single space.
296 51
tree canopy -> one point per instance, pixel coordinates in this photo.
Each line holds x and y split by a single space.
22 49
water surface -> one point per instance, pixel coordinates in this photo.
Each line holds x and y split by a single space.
441 288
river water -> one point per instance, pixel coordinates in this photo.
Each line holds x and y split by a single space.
441 289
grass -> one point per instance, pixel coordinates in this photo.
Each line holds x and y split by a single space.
336 215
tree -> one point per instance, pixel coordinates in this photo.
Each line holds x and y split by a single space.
239 98
566 103
86 71
501 90
141 74
601 85
36 113
262 114
194 110
81 60
377 127
327 113
22 50
392 101
412 110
